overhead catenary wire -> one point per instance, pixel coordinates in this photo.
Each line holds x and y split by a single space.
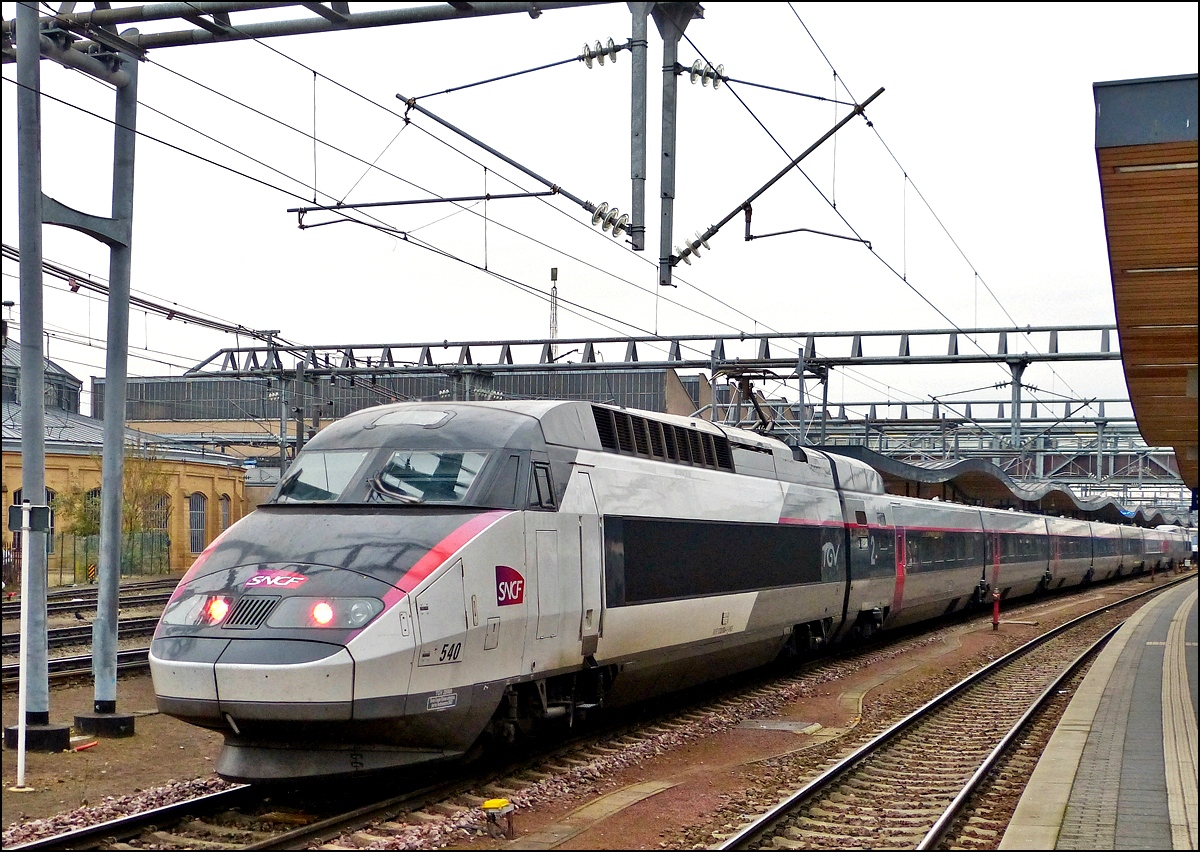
420 188
978 278
378 105
315 180
380 227
612 318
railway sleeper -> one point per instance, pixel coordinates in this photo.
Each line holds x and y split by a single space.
422 816
179 841
226 831
390 829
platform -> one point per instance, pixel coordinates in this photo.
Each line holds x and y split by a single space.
1120 770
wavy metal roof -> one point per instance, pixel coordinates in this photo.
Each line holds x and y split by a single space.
980 482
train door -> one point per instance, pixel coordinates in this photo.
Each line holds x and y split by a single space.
901 555
994 548
590 592
442 622
548 586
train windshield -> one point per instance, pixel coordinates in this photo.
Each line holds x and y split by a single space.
320 477
425 476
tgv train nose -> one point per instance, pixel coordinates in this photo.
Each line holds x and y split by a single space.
264 641
305 680
204 679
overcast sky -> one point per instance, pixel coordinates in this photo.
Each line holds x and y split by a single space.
988 109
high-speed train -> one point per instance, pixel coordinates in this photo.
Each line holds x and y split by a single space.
429 575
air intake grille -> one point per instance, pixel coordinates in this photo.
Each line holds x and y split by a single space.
604 425
250 611
633 435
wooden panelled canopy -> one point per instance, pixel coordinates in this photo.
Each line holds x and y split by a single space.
1146 154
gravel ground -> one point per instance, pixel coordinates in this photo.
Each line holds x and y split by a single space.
80 784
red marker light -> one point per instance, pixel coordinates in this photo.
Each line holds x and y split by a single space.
322 613
216 610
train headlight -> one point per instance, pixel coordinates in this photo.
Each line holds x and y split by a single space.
346 613
185 610
322 613
216 610
193 610
359 613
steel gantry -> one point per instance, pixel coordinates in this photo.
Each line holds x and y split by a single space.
1071 440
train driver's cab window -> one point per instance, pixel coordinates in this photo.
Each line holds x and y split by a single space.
426 476
541 493
319 477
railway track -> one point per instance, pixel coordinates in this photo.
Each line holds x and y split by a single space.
907 786
149 593
448 813
241 817
251 817
60 637
62 668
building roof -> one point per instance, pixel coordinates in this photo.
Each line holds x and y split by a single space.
12 360
1146 156
76 434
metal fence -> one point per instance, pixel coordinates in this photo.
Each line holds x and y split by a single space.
74 559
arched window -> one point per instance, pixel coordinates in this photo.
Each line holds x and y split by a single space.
91 508
197 522
17 498
226 506
160 513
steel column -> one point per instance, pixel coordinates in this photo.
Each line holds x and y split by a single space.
824 404
299 406
33 367
671 19
1018 369
112 483
637 125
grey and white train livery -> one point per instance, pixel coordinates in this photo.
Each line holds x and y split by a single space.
430 574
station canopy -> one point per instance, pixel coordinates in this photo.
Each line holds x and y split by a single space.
1146 156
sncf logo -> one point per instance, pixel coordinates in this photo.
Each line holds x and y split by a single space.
510 586
275 579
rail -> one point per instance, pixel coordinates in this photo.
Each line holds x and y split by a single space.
866 759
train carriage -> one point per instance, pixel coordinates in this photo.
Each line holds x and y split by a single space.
1106 550
944 560
1070 551
1133 550
1020 552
